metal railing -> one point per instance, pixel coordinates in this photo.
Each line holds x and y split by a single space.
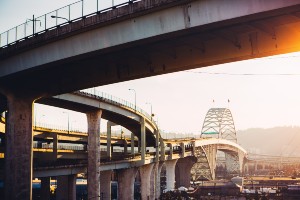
117 101
59 17
37 125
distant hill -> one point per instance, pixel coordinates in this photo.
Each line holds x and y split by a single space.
272 141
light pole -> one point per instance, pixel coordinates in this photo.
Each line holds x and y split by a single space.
134 98
33 23
151 109
57 17
68 121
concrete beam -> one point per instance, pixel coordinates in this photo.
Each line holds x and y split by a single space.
53 172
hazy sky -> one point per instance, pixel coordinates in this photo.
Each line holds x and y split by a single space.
181 100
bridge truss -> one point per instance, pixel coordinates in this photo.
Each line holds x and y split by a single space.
218 123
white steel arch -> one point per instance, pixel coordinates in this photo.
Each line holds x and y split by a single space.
218 123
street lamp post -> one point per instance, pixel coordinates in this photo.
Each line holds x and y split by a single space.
33 24
57 17
68 122
151 109
134 98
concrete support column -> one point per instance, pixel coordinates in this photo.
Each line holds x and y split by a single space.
246 169
211 152
125 146
105 182
45 188
18 148
139 145
183 171
66 187
170 174
193 147
182 146
143 139
145 174
126 179
170 151
55 145
108 148
132 144
241 161
162 149
157 171
93 179
156 146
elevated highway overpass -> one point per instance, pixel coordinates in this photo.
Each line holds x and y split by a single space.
65 153
135 40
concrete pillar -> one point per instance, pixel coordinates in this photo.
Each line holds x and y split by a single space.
183 171
143 139
18 148
108 148
157 171
93 179
170 174
105 182
162 149
126 179
139 145
170 145
132 144
45 188
193 148
211 153
145 174
182 146
246 168
156 146
125 146
55 145
66 187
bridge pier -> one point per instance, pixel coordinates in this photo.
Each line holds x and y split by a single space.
157 171
145 174
182 146
66 187
125 147
157 139
143 139
183 171
170 145
126 179
105 182
162 149
18 148
132 144
93 180
45 188
170 174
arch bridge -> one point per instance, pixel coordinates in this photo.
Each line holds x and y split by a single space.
134 40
